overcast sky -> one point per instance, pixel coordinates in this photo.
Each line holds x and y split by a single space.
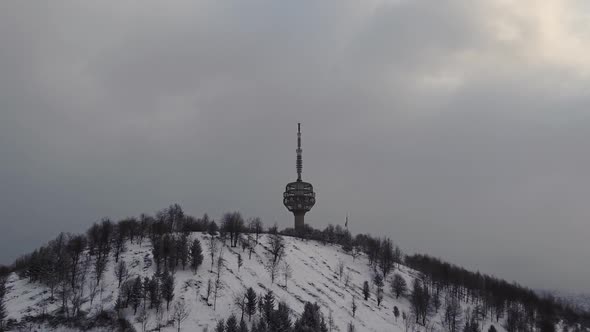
458 128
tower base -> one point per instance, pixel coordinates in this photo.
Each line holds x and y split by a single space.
299 221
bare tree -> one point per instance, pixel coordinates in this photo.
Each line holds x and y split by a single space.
409 322
79 284
356 251
398 255
118 242
102 287
76 300
206 298
350 327
180 313
340 268
74 249
287 272
378 281
240 302
251 246
346 280
420 301
275 253
277 248
218 285
240 262
452 314
233 224
331 323
121 272
100 264
143 318
256 227
272 270
213 249
159 318
245 242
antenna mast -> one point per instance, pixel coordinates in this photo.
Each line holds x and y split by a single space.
299 153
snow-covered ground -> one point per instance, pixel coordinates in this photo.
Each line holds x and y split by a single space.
315 278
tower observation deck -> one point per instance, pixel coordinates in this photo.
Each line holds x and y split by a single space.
299 197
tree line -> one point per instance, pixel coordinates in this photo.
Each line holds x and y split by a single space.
523 309
266 314
72 275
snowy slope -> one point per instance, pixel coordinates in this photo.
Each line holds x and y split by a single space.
314 279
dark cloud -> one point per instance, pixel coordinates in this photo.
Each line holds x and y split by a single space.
457 129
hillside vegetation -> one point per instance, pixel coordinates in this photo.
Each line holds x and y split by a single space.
173 272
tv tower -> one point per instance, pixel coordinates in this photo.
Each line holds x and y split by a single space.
299 197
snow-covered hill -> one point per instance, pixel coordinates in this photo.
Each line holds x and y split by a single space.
315 278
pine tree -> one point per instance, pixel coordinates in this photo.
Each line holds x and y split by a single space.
243 327
261 304
168 288
323 326
395 312
311 319
183 250
145 289
250 303
398 285
232 324
281 320
254 327
269 307
471 326
212 229
154 292
196 255
258 326
136 294
2 305
220 326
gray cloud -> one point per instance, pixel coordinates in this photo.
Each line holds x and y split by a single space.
457 129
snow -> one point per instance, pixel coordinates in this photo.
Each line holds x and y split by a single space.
315 279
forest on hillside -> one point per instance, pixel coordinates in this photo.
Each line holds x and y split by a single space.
73 263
